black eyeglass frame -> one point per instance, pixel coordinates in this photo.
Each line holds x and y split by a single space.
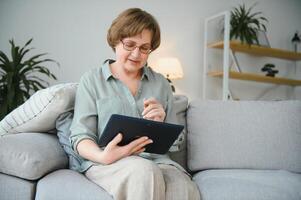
134 47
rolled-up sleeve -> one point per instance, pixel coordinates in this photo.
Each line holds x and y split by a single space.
84 124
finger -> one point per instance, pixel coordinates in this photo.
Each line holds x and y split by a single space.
141 145
154 112
116 140
149 101
147 109
151 107
136 142
139 151
158 119
157 113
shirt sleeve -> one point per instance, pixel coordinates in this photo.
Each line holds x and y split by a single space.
84 124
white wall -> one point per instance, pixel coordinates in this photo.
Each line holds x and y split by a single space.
74 33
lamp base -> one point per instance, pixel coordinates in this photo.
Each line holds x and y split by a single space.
171 85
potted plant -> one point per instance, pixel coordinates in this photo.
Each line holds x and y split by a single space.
245 24
20 77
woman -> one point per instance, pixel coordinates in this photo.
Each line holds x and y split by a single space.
127 86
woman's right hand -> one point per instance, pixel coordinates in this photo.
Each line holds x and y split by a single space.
113 152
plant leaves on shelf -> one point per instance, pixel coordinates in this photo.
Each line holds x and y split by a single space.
245 25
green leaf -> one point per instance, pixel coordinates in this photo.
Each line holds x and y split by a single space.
3 58
19 78
245 24
27 43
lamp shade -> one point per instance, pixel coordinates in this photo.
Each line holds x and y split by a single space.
170 68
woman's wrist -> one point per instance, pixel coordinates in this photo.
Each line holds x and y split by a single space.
102 158
89 150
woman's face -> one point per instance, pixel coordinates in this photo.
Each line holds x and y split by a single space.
132 52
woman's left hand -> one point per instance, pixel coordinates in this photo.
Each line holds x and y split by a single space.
153 110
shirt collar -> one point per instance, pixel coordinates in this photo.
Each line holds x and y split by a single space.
145 72
106 71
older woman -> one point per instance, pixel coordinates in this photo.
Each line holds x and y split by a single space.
128 86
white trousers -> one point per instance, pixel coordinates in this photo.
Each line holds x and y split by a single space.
136 178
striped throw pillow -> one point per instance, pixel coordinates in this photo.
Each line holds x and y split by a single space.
40 111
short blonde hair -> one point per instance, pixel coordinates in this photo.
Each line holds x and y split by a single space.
132 22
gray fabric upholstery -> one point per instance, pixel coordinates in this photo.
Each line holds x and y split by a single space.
180 104
31 155
13 188
258 135
68 184
244 134
248 185
63 124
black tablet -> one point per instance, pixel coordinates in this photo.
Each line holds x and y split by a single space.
162 134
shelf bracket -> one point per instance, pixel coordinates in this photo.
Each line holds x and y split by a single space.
235 61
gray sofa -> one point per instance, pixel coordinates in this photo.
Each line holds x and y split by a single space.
234 150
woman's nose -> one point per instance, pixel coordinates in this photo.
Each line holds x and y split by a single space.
136 52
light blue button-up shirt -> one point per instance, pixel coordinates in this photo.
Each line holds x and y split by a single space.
99 95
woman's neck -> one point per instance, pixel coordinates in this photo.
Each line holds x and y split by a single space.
130 79
120 72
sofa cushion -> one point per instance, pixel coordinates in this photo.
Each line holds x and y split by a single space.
178 152
244 134
39 112
68 184
12 188
248 185
180 106
31 155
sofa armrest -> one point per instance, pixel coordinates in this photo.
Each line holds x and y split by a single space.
31 155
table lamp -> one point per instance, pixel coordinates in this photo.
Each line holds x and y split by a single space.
170 68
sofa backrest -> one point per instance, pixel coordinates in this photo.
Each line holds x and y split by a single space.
244 134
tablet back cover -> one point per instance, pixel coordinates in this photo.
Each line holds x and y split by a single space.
162 134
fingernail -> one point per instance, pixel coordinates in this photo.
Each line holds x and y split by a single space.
151 141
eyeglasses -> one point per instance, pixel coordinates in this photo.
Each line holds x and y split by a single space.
131 46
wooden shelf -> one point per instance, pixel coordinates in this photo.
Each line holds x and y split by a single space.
258 50
257 78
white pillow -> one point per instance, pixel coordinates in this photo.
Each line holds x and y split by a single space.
40 111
